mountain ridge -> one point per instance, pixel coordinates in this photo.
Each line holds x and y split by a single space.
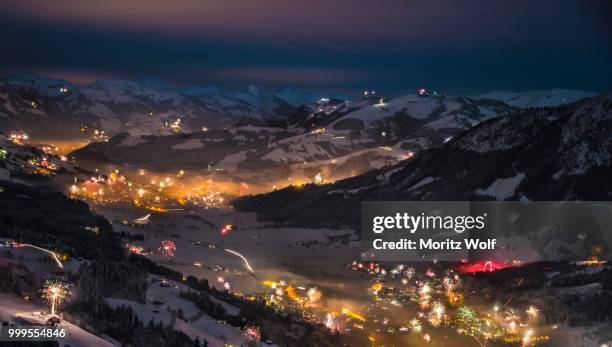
560 153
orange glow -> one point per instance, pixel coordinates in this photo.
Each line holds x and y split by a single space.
352 314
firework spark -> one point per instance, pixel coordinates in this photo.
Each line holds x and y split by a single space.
226 229
532 311
527 337
410 273
252 333
330 322
438 310
314 295
415 325
136 249
167 248
55 292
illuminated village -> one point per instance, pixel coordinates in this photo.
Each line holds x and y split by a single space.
420 303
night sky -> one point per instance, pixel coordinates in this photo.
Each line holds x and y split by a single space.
332 45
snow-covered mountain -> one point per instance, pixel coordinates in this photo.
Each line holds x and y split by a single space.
330 138
555 153
279 134
297 98
538 98
54 108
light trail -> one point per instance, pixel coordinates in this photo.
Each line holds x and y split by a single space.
156 209
352 314
59 263
142 220
272 284
246 262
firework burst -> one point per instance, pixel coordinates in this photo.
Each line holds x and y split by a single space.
252 333
314 295
55 292
167 248
532 311
226 229
410 272
136 249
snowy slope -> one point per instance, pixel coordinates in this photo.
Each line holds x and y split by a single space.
161 300
21 162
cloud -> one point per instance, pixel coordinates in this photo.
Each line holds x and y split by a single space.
363 22
287 75
78 76
228 76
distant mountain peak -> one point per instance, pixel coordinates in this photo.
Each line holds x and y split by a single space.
286 89
25 75
254 90
31 77
51 87
538 98
154 83
120 85
199 90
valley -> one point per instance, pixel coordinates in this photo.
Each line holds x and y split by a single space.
209 226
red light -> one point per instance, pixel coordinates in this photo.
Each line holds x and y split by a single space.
226 229
483 266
